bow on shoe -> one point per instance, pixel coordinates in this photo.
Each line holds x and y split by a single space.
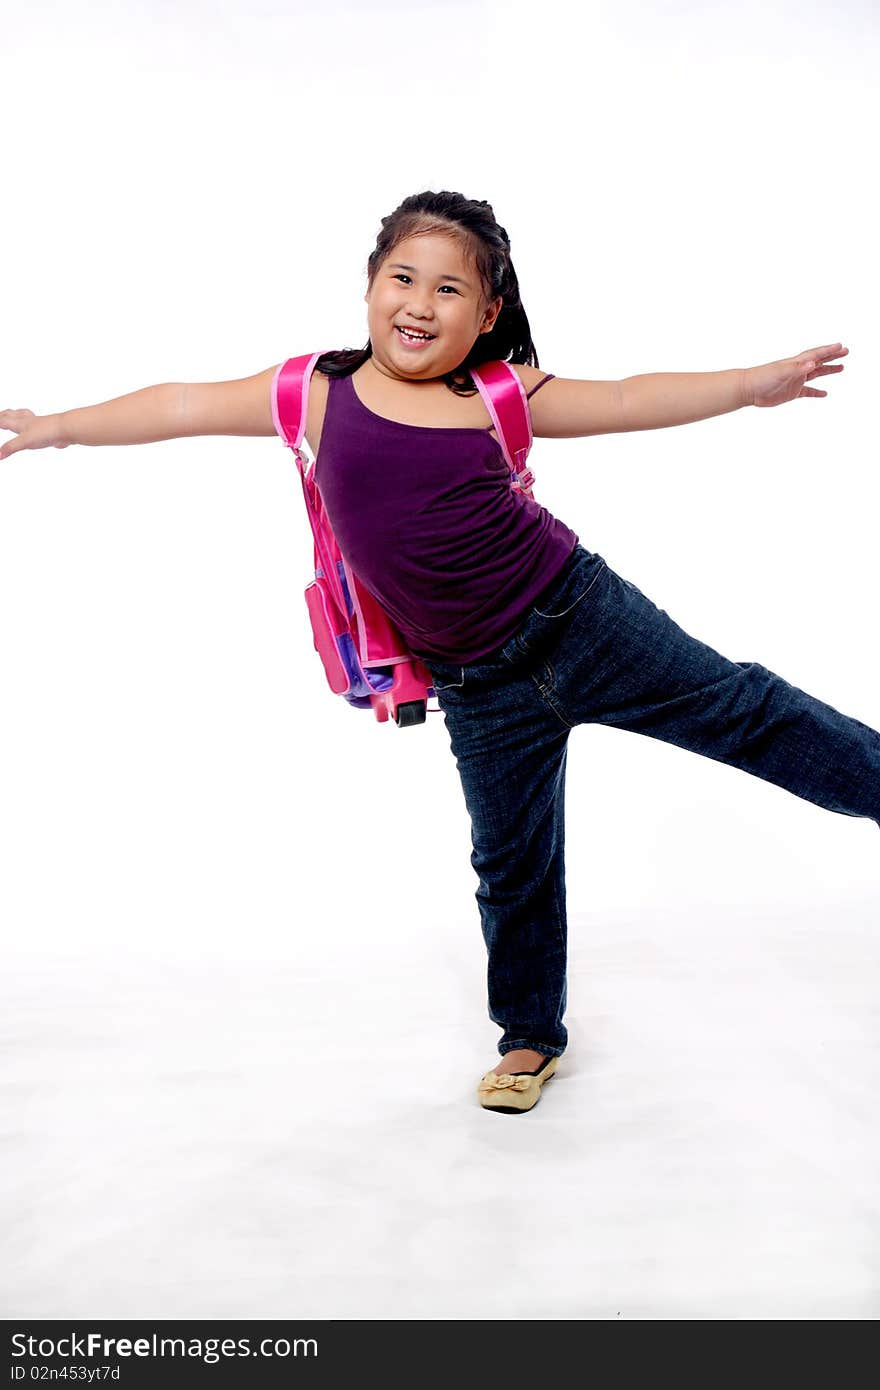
500 1081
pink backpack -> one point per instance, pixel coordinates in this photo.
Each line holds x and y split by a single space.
365 657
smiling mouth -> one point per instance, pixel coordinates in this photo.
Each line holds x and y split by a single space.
409 337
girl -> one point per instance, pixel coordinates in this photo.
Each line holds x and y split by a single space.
525 632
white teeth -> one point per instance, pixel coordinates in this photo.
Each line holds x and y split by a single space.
419 337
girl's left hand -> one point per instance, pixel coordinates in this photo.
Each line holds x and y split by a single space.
777 382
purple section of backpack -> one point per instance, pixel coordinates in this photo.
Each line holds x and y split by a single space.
365 657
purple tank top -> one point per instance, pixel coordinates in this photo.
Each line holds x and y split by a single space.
428 521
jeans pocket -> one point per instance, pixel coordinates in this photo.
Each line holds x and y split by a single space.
563 603
446 677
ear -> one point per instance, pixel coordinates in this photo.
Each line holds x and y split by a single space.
491 314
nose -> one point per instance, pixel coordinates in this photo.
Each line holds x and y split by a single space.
419 308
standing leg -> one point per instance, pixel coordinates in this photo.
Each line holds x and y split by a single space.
511 756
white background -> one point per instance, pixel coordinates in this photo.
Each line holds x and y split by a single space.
238 914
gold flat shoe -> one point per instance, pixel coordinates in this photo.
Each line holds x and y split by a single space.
513 1092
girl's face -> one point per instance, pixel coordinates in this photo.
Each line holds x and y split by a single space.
426 284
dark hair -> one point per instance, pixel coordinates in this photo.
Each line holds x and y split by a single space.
485 241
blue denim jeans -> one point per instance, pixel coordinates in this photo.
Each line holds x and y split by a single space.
594 650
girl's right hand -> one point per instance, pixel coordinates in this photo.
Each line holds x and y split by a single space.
33 431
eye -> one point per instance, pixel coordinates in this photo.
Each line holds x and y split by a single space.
401 275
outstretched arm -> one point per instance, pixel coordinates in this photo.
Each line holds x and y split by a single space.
172 410
567 408
677 398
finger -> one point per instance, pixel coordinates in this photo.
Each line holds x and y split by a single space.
819 368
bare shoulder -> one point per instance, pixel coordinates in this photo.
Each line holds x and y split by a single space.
568 408
571 408
529 376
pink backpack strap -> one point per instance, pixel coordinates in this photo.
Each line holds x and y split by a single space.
290 401
290 397
506 401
